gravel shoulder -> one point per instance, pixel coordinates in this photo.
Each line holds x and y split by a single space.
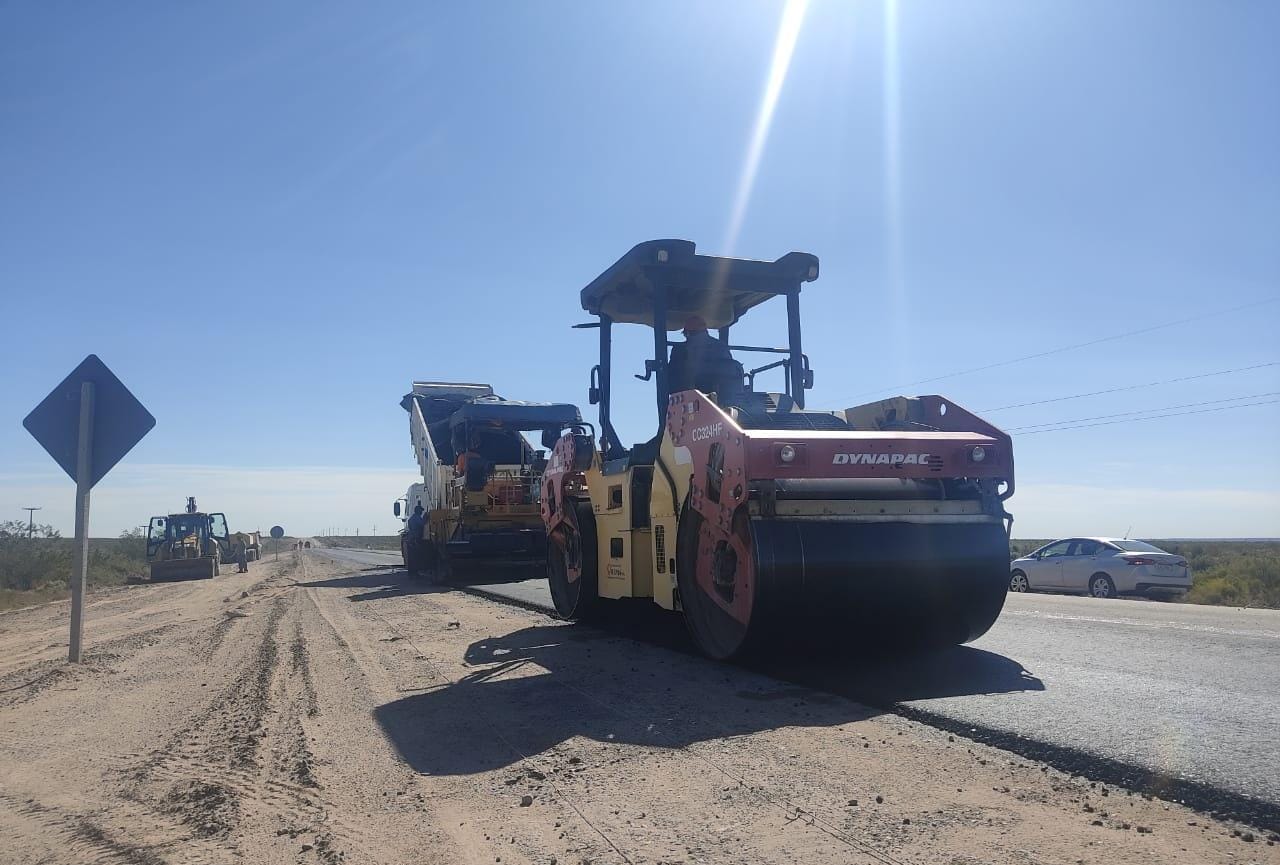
308 712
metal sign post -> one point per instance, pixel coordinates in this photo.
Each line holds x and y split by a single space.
87 424
84 470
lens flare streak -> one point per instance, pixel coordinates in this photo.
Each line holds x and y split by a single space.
783 49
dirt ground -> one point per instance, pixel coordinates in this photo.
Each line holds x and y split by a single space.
307 713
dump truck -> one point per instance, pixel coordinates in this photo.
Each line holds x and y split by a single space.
764 522
480 477
252 543
191 544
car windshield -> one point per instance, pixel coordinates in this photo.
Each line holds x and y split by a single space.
1136 547
184 525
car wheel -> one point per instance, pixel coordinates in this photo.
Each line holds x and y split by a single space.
1018 582
1100 586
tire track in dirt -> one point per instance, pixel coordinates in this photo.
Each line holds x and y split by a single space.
81 834
242 772
301 666
23 684
220 746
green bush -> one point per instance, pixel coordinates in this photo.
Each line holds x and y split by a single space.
45 562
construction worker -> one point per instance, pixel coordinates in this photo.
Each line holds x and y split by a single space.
242 556
414 528
472 467
416 523
695 363
471 453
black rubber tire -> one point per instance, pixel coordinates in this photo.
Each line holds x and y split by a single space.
1104 581
576 600
440 565
414 559
1025 582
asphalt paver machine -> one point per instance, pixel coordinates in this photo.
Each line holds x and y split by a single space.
480 478
765 522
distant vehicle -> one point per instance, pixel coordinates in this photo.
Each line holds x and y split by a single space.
1101 567
481 481
193 544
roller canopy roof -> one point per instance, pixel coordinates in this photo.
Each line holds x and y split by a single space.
719 290
509 413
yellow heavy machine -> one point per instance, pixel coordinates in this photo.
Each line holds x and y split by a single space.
252 543
766 523
192 544
480 478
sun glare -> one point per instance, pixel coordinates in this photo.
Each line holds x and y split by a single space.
783 48
892 102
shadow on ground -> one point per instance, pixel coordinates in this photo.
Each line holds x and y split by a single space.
883 681
378 582
540 686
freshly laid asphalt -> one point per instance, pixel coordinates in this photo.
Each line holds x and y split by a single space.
1176 699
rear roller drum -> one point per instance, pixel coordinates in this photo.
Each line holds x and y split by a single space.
572 565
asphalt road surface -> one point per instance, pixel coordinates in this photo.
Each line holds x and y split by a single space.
1185 692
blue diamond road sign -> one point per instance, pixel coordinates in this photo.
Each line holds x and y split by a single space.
119 420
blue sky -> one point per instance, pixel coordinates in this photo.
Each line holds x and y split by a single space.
269 218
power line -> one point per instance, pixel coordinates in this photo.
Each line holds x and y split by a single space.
1145 411
1152 417
1131 387
1074 346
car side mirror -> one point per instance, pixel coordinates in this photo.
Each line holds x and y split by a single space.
808 379
549 438
396 508
593 395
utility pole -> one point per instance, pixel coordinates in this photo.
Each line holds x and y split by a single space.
31 521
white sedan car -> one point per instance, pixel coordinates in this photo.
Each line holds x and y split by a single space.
1102 567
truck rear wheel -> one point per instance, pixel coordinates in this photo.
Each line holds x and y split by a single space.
572 566
440 563
414 557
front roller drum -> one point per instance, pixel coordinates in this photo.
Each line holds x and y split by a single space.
768 584
572 565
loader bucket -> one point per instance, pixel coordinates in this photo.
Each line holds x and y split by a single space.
185 569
